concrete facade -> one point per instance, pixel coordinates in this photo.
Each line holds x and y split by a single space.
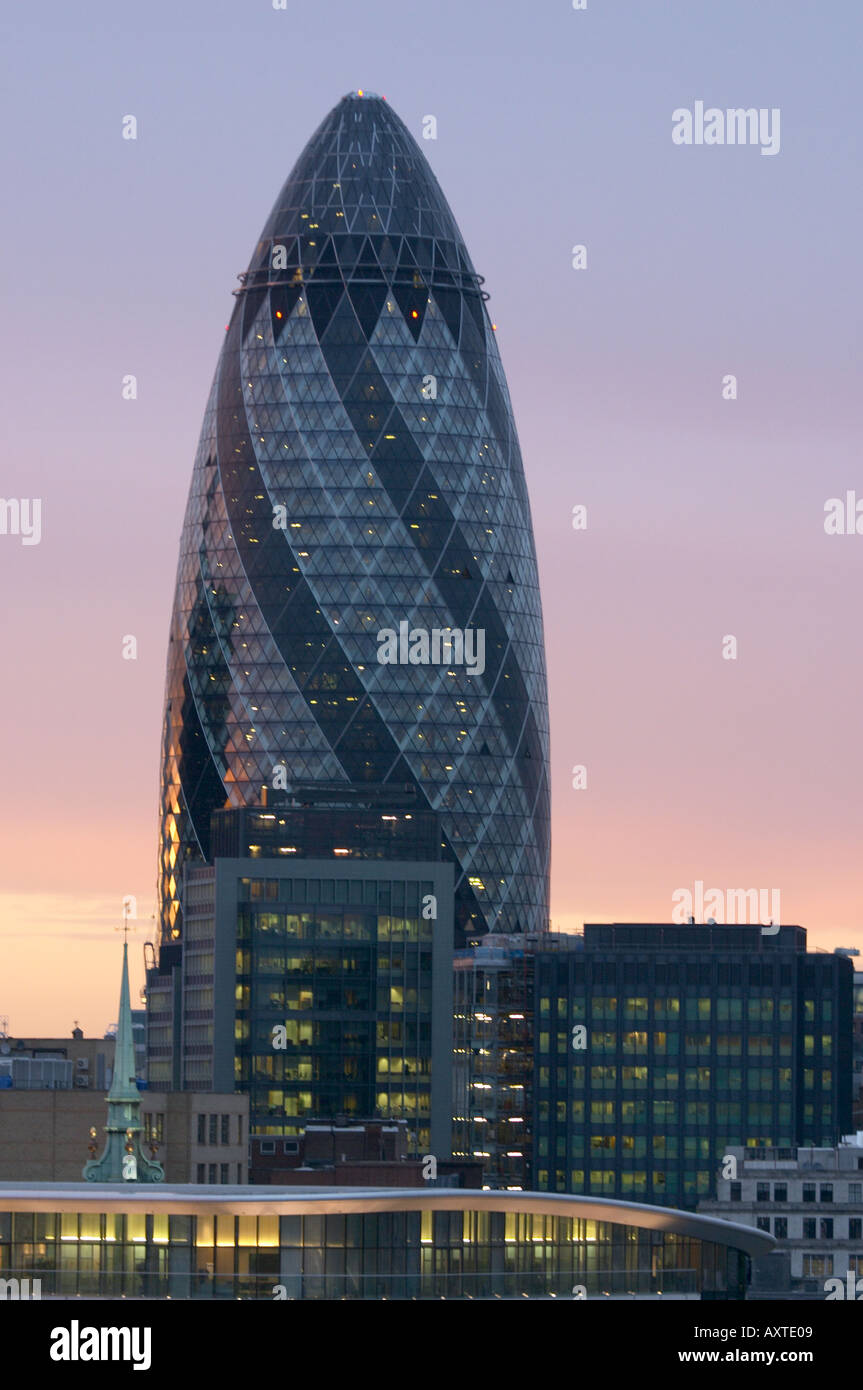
810 1200
44 1134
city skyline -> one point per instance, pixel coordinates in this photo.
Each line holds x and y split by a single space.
705 516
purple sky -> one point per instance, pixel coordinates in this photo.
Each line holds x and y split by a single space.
705 516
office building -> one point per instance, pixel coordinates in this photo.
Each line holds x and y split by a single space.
365 1153
44 1134
359 475
659 1048
811 1201
320 987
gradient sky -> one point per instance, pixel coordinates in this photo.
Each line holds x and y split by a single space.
705 517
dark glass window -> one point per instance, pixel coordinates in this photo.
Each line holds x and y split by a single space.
809 1228
780 1192
826 1194
809 1192
780 1227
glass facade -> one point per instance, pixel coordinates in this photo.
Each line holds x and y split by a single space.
359 469
303 833
351 983
321 989
651 1065
493 1063
397 1254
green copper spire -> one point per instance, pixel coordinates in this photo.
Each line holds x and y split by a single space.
123 1159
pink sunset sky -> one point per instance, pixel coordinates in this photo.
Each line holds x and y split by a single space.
705 516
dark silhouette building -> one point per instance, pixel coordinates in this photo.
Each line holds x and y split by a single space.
660 1047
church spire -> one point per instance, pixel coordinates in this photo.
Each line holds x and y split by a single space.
123 1159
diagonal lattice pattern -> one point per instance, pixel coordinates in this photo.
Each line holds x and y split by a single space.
359 466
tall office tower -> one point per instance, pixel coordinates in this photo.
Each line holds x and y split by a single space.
660 1047
357 596
316 968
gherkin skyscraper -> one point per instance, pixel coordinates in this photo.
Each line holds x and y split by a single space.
359 472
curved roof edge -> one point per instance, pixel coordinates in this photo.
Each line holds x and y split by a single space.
180 1198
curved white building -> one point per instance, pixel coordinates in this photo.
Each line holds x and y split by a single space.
332 1243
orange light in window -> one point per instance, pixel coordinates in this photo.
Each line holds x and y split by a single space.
414 314
278 313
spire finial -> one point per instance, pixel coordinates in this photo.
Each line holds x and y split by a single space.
128 915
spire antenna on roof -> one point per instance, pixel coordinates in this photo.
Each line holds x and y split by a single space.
123 1158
